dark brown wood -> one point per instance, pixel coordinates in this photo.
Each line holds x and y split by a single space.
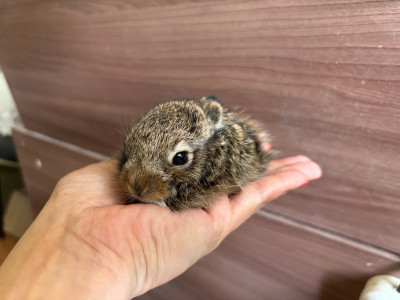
323 77
278 260
44 161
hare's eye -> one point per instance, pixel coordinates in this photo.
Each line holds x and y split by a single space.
180 158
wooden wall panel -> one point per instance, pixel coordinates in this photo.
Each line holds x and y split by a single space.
280 260
323 77
44 161
269 257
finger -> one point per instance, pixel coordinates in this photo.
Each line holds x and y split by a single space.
109 164
292 176
103 169
266 147
257 193
276 164
220 214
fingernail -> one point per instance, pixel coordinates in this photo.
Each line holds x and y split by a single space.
266 147
305 184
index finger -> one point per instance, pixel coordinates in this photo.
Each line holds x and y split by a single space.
266 189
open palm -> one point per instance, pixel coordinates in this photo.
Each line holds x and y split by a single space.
144 245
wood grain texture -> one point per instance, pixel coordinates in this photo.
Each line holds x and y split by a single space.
279 260
44 162
269 257
323 77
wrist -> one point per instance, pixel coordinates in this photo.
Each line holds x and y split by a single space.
48 262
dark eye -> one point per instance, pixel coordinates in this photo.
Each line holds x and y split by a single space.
180 158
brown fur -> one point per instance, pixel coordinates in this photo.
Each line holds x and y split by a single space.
225 154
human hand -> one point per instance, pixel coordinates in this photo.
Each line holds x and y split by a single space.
84 244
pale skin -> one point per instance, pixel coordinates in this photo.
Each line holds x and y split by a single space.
85 245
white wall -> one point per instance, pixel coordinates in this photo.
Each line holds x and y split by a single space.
8 110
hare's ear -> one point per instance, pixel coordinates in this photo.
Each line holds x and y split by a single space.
214 98
213 109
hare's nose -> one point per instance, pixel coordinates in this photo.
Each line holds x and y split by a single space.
138 188
148 188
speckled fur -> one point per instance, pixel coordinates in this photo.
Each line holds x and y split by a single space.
226 152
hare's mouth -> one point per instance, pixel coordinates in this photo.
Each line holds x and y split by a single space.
128 199
133 200
158 202
152 201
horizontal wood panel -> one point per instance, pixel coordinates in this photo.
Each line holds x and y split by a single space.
269 257
323 77
43 163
